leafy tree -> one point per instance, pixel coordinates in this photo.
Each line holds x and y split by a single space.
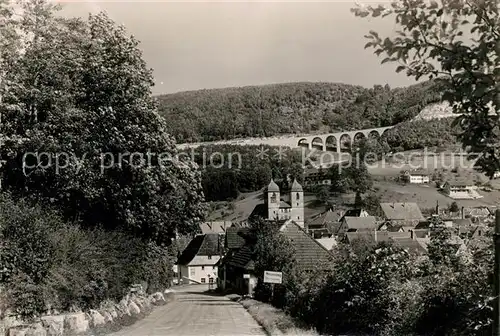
358 200
372 150
431 43
80 91
323 194
371 203
419 134
440 249
272 252
357 176
356 295
454 207
456 303
220 184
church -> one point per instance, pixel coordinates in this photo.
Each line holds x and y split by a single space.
285 206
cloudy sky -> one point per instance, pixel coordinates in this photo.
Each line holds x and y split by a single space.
205 44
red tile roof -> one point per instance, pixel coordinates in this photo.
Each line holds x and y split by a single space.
201 245
402 211
309 253
361 223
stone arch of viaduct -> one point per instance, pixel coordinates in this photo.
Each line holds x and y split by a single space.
337 142
341 141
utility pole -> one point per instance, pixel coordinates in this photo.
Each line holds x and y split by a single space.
496 290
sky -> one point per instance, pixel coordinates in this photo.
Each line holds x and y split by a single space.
205 44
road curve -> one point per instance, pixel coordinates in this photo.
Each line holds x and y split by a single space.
194 312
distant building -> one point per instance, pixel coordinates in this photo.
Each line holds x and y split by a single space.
461 189
478 213
315 177
418 176
404 214
357 224
355 213
412 243
197 263
324 224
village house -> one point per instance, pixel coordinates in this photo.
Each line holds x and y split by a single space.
404 214
309 255
390 227
366 236
417 176
316 176
356 224
461 189
478 213
408 241
324 224
357 212
197 263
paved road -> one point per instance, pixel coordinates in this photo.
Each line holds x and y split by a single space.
195 313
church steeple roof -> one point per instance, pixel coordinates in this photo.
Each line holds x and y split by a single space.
296 186
273 187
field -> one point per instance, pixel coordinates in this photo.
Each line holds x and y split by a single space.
441 166
240 209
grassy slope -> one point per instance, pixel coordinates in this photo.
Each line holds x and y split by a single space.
387 188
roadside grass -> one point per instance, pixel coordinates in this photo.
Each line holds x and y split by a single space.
273 320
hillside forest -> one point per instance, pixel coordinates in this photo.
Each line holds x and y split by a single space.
291 108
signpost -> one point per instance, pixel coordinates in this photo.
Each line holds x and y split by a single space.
273 278
247 276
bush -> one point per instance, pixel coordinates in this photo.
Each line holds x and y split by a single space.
47 263
381 290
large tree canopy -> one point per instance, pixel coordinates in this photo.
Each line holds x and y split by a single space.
80 91
457 41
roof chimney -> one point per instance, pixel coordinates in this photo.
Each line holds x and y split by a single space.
462 213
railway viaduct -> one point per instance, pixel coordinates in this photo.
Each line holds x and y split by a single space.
336 142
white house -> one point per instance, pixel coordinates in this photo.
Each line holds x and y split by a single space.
417 176
196 264
461 189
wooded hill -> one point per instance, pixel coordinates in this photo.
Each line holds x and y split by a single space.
254 111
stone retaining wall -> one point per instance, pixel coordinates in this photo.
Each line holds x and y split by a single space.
109 318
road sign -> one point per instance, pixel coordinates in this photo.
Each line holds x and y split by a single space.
273 277
246 276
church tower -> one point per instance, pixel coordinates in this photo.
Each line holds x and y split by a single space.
273 200
297 203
